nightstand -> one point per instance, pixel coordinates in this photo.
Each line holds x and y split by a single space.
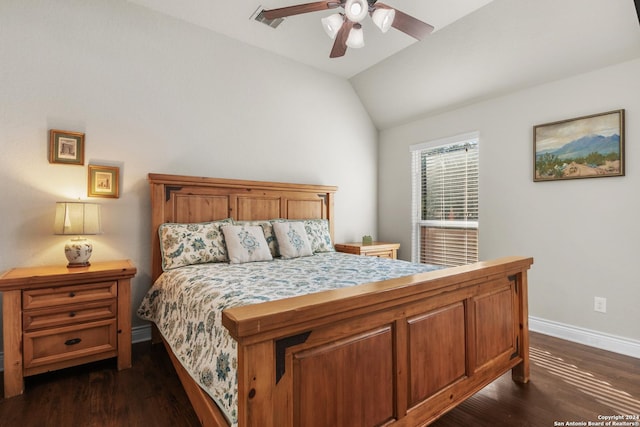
55 317
379 249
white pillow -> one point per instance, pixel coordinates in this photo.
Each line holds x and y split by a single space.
246 243
267 228
292 239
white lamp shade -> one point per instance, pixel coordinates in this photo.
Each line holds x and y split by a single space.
77 218
356 10
383 18
356 38
332 24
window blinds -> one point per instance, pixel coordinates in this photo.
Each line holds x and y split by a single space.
445 202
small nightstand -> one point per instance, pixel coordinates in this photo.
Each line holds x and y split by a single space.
379 249
55 317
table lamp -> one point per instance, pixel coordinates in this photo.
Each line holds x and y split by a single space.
77 219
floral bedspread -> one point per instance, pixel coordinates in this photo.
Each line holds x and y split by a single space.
186 304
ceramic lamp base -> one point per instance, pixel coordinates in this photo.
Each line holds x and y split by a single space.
78 251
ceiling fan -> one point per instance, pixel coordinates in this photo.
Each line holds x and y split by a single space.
345 26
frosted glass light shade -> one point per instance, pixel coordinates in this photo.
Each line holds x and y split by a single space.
77 218
356 10
356 37
383 18
332 24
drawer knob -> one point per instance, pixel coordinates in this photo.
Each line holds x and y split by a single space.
72 294
72 314
72 341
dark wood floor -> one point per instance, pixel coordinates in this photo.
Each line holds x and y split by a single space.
98 395
569 382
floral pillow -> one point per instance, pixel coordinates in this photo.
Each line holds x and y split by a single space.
292 239
317 231
246 243
267 228
192 243
319 235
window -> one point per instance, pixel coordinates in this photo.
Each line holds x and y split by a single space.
445 201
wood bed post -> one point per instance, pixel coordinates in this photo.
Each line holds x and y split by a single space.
256 379
330 214
520 372
157 218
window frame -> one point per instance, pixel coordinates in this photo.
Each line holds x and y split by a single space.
417 222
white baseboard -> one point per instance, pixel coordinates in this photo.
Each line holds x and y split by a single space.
616 344
588 337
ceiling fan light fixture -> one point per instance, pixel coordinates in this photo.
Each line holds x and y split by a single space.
332 24
345 27
383 18
356 10
356 37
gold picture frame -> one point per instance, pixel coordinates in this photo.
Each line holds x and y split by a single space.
584 147
66 147
104 181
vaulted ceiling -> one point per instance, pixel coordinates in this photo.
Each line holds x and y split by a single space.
301 37
479 49
505 46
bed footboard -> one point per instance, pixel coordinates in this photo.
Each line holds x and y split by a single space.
400 352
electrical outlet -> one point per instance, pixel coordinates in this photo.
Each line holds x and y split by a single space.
600 304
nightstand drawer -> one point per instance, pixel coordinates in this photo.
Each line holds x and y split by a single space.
51 297
377 249
382 254
66 315
51 346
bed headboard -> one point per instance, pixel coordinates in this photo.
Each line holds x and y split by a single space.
182 199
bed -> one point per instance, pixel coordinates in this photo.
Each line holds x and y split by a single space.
401 351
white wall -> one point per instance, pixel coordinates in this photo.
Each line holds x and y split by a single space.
583 234
154 94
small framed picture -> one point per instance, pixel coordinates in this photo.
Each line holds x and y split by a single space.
104 181
66 147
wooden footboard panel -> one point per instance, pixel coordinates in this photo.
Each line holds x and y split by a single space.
400 352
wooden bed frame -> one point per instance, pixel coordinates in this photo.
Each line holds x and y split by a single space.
399 352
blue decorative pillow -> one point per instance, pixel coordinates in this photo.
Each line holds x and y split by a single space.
192 243
246 243
292 239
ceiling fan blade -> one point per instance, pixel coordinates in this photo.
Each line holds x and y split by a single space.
340 45
299 8
408 24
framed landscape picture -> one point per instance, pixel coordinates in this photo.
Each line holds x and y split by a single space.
584 147
66 147
104 181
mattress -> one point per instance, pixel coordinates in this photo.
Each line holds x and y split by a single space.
186 304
